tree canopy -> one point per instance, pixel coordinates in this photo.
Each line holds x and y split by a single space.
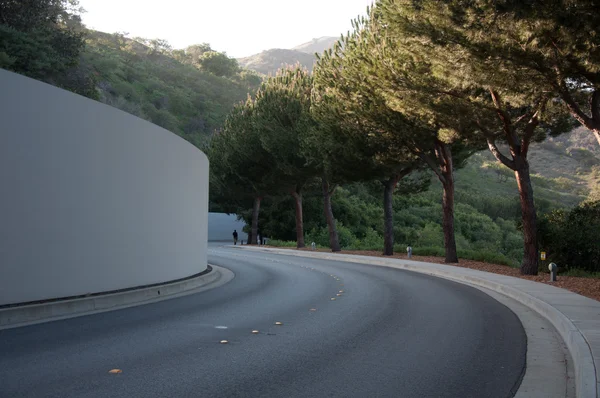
43 39
218 63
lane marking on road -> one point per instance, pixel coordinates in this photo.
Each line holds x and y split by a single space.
115 371
313 309
341 291
279 323
333 299
224 341
255 332
220 327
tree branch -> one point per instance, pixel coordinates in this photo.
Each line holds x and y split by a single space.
595 107
332 189
511 137
427 159
404 172
573 106
439 154
531 125
498 155
446 156
494 149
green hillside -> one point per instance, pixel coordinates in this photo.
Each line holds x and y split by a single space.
161 85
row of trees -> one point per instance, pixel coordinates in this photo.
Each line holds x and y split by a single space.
419 85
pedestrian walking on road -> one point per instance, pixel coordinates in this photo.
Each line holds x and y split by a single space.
235 236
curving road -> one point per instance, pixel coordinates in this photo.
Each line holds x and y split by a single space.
390 333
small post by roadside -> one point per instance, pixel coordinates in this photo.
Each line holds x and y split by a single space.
313 246
409 251
553 268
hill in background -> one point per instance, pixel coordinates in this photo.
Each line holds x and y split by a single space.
269 61
317 45
166 87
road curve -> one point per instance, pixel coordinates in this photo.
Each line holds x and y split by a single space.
388 333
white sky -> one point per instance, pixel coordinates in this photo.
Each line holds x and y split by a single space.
238 27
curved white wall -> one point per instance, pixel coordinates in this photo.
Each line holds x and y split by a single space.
93 199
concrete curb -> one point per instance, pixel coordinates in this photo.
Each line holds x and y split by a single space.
38 313
587 381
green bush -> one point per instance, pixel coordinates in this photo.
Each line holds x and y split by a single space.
427 251
487 256
571 238
371 241
281 243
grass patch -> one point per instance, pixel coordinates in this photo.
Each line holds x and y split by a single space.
487 256
282 243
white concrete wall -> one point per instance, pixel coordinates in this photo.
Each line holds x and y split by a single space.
93 199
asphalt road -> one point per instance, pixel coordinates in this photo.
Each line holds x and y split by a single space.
390 333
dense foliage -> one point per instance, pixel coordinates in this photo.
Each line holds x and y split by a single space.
43 39
569 237
188 92
487 210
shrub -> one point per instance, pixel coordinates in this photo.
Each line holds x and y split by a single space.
281 243
571 239
371 241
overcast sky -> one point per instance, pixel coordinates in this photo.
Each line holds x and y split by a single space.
238 27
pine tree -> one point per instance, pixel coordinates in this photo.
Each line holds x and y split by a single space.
353 83
240 167
432 66
282 115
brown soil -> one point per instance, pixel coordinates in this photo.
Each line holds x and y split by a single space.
588 287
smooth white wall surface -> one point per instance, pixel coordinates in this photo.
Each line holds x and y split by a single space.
93 199
221 226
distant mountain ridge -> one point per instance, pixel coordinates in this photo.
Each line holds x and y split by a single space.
317 45
269 61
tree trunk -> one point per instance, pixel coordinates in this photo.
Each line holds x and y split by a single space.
597 135
299 221
448 218
530 257
255 210
446 175
333 236
388 216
